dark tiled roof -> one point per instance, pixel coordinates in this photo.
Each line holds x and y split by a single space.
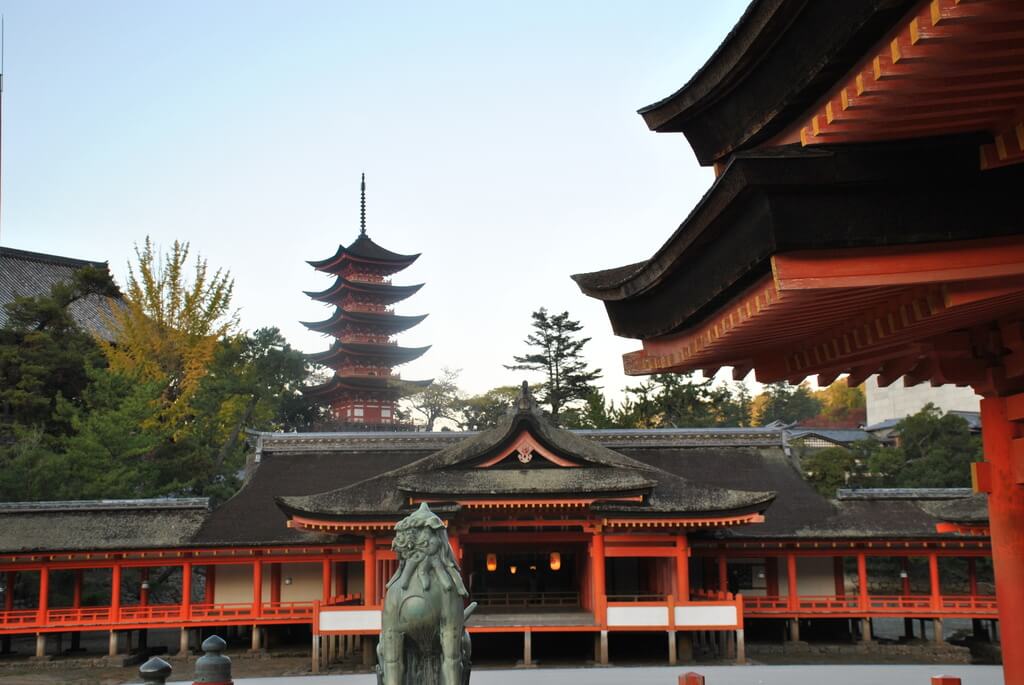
99 525
384 496
31 274
837 435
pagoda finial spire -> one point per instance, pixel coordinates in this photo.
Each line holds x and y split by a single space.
362 205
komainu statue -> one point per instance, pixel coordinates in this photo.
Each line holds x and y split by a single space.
423 638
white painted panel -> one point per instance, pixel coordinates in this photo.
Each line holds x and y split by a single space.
365 619
706 616
638 616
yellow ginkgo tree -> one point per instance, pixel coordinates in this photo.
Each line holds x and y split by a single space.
168 330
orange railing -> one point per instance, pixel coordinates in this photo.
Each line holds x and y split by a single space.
896 605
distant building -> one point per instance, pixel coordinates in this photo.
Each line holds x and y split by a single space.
898 402
29 274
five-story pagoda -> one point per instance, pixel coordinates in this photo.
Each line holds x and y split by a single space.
365 387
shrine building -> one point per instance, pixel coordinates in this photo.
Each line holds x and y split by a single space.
681 542
864 220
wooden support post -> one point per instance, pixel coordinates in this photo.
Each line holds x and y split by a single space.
741 647
325 582
908 628
939 636
527 648
602 648
369 571
723 574
793 588
906 576
186 592
935 584
672 658
682 568
684 648
972 576
76 589
862 581
794 629
40 645
771 576
839 576
113 643
144 587
329 653
257 638
257 587
44 594
369 651
210 589
316 653
115 593
184 638
865 630
597 564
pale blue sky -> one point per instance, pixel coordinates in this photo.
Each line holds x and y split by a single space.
501 141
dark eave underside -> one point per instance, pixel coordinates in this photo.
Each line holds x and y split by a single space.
392 354
790 199
780 58
382 292
386 322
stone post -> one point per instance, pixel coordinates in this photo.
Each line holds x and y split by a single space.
156 670
213 668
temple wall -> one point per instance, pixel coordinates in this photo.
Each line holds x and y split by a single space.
814 576
233 584
306 585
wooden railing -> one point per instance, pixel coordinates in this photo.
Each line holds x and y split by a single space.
527 599
98 618
637 598
895 605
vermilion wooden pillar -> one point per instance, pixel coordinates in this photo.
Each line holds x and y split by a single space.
1004 461
597 575
115 592
682 568
325 581
186 590
933 578
771 576
257 587
906 576
972 576
44 593
369 571
723 574
793 589
210 589
144 587
862 580
9 590
76 590
839 576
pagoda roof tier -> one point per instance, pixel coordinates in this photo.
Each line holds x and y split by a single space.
386 322
779 60
523 457
341 384
389 354
790 199
364 251
383 293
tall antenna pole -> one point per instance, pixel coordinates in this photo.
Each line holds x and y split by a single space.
362 205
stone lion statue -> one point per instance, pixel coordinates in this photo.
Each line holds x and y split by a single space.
423 639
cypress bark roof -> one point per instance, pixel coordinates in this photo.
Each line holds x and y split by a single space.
778 60
368 383
100 525
595 469
362 249
384 293
387 322
390 354
31 274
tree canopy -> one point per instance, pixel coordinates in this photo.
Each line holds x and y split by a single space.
557 352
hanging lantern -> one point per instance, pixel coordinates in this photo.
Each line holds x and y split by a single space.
492 562
512 569
555 561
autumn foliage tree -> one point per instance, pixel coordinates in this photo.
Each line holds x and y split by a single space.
170 327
